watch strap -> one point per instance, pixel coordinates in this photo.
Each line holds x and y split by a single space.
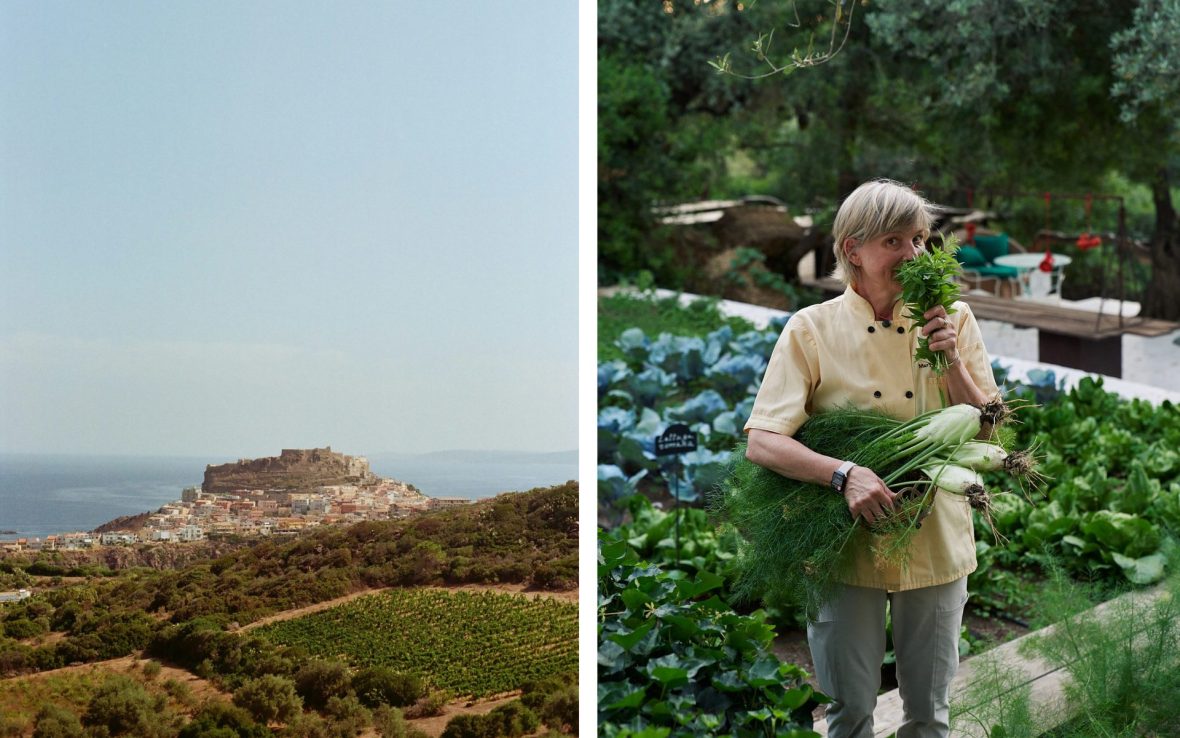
840 476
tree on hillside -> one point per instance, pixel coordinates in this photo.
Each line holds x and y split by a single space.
121 706
269 699
380 685
319 681
217 719
56 722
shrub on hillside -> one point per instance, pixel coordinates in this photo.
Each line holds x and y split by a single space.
319 681
220 720
56 722
349 716
555 700
269 699
122 706
379 685
391 723
510 720
430 704
14 657
11 727
465 726
513 719
24 628
180 692
560 710
309 725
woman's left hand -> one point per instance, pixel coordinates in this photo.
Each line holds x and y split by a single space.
941 333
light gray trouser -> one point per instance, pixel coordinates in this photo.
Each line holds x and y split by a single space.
848 643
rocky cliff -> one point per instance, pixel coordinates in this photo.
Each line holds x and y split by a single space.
293 469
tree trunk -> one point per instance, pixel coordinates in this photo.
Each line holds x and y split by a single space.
1163 292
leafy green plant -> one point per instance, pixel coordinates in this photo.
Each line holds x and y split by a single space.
654 315
928 281
1115 493
673 663
651 532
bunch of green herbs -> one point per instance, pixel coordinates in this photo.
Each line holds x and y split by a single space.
927 281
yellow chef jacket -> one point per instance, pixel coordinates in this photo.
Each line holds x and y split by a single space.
837 353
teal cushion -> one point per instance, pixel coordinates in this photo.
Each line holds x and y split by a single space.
992 246
969 256
998 271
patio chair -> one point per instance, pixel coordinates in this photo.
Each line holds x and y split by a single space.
978 270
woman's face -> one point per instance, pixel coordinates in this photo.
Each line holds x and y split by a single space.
877 258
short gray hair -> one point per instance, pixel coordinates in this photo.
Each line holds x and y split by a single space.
876 207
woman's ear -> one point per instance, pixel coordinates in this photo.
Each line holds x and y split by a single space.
850 245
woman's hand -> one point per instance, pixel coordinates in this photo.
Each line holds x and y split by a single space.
867 495
940 331
943 335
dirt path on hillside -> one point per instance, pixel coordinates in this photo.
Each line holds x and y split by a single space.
434 726
570 596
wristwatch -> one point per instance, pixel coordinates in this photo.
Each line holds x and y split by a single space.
840 476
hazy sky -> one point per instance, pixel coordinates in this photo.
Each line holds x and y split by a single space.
228 228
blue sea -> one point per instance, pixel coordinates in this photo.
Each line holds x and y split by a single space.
42 494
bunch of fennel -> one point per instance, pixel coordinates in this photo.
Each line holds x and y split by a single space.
796 535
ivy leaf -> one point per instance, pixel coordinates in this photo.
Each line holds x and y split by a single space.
610 656
797 697
763 673
632 699
705 580
668 671
628 641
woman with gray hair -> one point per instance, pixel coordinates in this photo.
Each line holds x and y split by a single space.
857 349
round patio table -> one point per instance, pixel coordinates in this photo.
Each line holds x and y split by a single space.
1032 284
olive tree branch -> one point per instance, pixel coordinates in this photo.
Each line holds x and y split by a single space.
808 58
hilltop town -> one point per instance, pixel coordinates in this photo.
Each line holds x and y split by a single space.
272 496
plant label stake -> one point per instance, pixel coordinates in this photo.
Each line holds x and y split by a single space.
677 439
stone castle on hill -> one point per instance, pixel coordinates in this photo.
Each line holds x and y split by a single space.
292 470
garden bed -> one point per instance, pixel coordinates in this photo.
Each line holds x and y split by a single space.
1106 516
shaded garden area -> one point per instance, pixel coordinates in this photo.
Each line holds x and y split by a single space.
972 103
